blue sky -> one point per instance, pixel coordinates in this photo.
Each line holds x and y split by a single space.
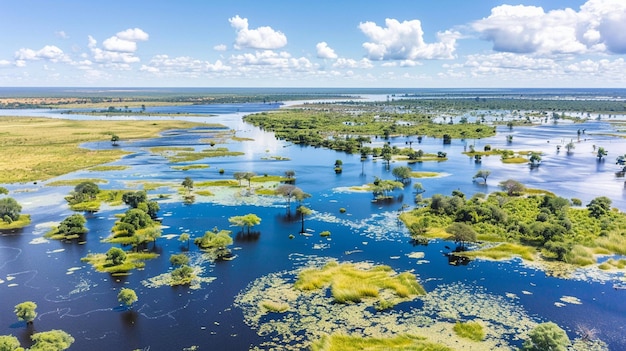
322 43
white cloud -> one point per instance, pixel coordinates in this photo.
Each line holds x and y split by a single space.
5 63
61 34
48 52
324 51
405 41
351 63
260 38
118 50
133 34
599 26
182 65
220 47
120 45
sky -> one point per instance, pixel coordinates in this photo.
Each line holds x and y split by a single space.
321 43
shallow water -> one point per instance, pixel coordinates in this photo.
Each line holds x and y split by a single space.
73 297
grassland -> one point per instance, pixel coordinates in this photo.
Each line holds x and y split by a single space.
134 260
339 342
36 149
348 283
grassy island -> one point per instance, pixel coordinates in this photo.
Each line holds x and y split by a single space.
42 148
527 224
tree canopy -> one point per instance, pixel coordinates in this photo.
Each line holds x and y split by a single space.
247 221
9 209
25 311
402 173
116 255
546 336
127 297
512 187
9 343
52 340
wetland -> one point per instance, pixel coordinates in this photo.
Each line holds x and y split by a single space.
336 263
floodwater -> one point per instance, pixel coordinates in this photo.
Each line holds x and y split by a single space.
73 297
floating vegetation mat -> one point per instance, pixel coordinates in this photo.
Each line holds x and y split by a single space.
292 318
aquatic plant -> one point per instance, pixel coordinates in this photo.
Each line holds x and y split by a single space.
470 330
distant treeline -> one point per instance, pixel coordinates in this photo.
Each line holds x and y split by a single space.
478 103
42 102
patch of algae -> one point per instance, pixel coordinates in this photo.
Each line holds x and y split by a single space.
311 315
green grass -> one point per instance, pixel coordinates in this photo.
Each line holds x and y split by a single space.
503 251
21 222
188 167
223 182
35 149
74 182
517 160
105 168
134 260
268 178
340 342
204 193
349 283
425 174
470 330
188 154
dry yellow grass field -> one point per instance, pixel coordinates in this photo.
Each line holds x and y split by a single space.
35 149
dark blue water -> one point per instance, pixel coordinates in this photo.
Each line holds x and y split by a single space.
83 302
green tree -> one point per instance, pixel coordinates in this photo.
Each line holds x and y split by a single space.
72 226
4 191
382 187
134 198
535 159
303 211
461 233
484 174
52 340
599 206
188 184
512 187
402 173
116 255
387 154
248 221
25 311
114 139
179 259
137 218
290 173
215 241
88 189
570 146
9 209
185 237
182 275
546 337
9 343
153 233
338 166
300 195
601 153
127 297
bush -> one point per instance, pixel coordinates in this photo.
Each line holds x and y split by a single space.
10 208
342 210
546 336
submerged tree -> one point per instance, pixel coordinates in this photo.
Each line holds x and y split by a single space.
248 221
215 241
188 184
570 146
402 173
484 174
25 311
114 139
127 297
303 211
601 153
185 237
